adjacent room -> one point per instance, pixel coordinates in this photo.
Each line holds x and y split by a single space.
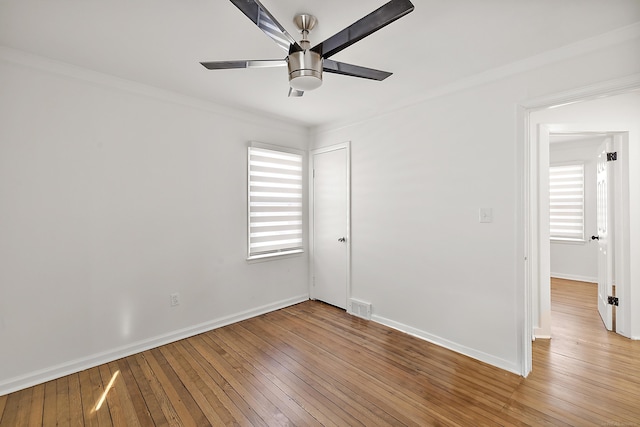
287 212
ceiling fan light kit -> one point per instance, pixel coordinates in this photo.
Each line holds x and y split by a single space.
306 64
305 70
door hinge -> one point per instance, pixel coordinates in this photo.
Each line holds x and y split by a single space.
613 301
612 157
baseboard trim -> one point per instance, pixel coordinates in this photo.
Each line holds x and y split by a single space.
575 277
540 334
41 376
450 345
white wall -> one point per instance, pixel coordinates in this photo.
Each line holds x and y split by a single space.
114 195
573 260
419 176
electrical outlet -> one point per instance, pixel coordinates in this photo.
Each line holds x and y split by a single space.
174 299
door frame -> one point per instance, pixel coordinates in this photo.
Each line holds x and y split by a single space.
341 146
528 236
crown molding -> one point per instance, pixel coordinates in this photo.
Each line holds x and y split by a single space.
592 44
51 66
585 93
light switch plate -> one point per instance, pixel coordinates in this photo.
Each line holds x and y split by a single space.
486 215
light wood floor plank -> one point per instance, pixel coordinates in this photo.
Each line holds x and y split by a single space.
160 392
3 404
186 407
229 400
127 414
213 388
76 416
88 399
144 401
191 383
111 400
23 415
321 384
376 390
370 367
37 418
300 399
62 402
102 413
306 362
313 364
262 400
12 408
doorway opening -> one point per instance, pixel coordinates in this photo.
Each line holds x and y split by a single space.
567 113
551 122
582 189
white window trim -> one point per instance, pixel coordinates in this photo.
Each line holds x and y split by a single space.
286 253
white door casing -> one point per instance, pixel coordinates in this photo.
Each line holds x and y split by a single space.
604 220
622 231
540 251
528 218
330 225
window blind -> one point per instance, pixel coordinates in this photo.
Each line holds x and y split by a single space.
566 203
275 202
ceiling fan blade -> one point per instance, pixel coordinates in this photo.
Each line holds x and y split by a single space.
266 63
331 66
360 29
295 93
257 63
260 16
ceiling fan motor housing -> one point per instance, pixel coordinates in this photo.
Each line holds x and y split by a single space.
305 66
305 70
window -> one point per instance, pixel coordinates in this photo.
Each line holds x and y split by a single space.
566 202
275 201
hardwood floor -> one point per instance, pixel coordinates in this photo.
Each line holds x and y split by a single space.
312 364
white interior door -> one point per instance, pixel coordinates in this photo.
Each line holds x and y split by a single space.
331 225
604 221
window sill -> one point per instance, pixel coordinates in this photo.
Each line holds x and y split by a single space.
274 256
569 241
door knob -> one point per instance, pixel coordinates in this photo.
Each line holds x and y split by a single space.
342 239
595 237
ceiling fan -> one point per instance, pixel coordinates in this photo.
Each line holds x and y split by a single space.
306 63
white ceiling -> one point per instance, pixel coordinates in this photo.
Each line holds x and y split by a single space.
160 43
